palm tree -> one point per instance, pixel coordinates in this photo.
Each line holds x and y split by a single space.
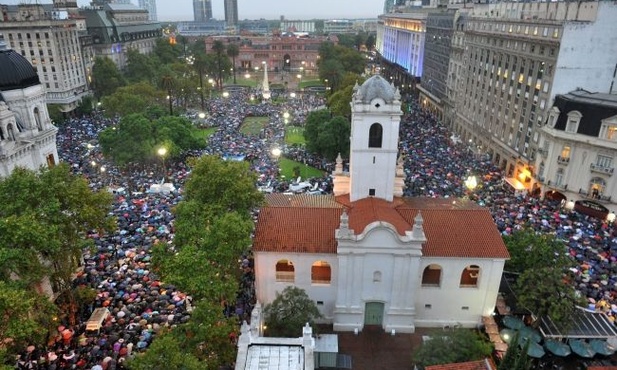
219 49
233 51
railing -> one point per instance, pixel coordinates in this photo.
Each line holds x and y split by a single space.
563 160
601 169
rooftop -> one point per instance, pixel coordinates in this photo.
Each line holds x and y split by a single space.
307 224
486 364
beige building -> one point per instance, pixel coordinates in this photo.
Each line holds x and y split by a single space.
50 41
517 57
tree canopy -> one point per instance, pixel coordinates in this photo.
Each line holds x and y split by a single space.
134 98
136 139
289 312
326 135
530 250
106 77
454 346
335 61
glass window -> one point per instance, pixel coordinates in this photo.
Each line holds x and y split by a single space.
375 136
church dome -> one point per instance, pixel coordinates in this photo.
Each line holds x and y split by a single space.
16 72
377 87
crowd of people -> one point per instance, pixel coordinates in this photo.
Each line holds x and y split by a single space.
140 304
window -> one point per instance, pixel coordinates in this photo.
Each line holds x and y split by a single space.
285 271
469 276
604 161
371 192
37 119
431 276
321 273
559 177
574 117
375 136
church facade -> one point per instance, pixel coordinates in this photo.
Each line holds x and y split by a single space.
368 256
27 136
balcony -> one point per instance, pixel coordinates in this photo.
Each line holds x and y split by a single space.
563 160
601 169
543 152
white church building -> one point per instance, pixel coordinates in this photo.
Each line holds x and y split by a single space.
27 136
369 256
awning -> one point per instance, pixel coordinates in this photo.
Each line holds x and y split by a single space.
515 184
590 208
585 325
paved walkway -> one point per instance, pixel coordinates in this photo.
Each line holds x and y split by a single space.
373 349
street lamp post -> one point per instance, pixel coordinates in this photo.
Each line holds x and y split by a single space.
162 152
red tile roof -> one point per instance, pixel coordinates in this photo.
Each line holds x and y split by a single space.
306 223
602 368
486 364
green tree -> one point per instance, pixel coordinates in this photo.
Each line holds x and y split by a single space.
134 98
165 352
27 317
545 291
289 312
312 126
131 140
516 357
530 250
43 219
333 138
219 49
85 105
370 42
223 186
233 51
166 52
450 347
106 77
140 67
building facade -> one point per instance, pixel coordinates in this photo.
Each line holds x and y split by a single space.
281 53
202 10
400 44
231 13
437 54
518 57
297 26
335 26
117 28
578 148
27 135
51 43
368 256
150 6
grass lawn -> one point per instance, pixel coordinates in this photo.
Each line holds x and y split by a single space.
309 83
287 169
253 125
294 135
203 133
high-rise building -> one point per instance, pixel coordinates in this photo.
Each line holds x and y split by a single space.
517 58
202 10
231 13
51 42
150 6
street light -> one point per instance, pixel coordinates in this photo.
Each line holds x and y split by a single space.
276 152
202 115
162 152
471 183
225 94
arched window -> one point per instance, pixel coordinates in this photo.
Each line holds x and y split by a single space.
37 119
321 273
10 132
431 275
375 136
469 276
285 271
596 187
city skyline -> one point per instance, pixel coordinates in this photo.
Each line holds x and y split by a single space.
182 10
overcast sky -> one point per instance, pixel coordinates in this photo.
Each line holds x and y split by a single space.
255 9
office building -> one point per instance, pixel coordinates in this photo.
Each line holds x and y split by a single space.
517 58
150 6
297 26
400 44
437 51
51 41
116 28
202 10
231 13
335 26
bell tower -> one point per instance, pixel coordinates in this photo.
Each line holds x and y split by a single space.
375 120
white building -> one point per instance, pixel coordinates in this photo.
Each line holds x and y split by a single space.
368 256
150 6
400 42
50 41
27 136
578 149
